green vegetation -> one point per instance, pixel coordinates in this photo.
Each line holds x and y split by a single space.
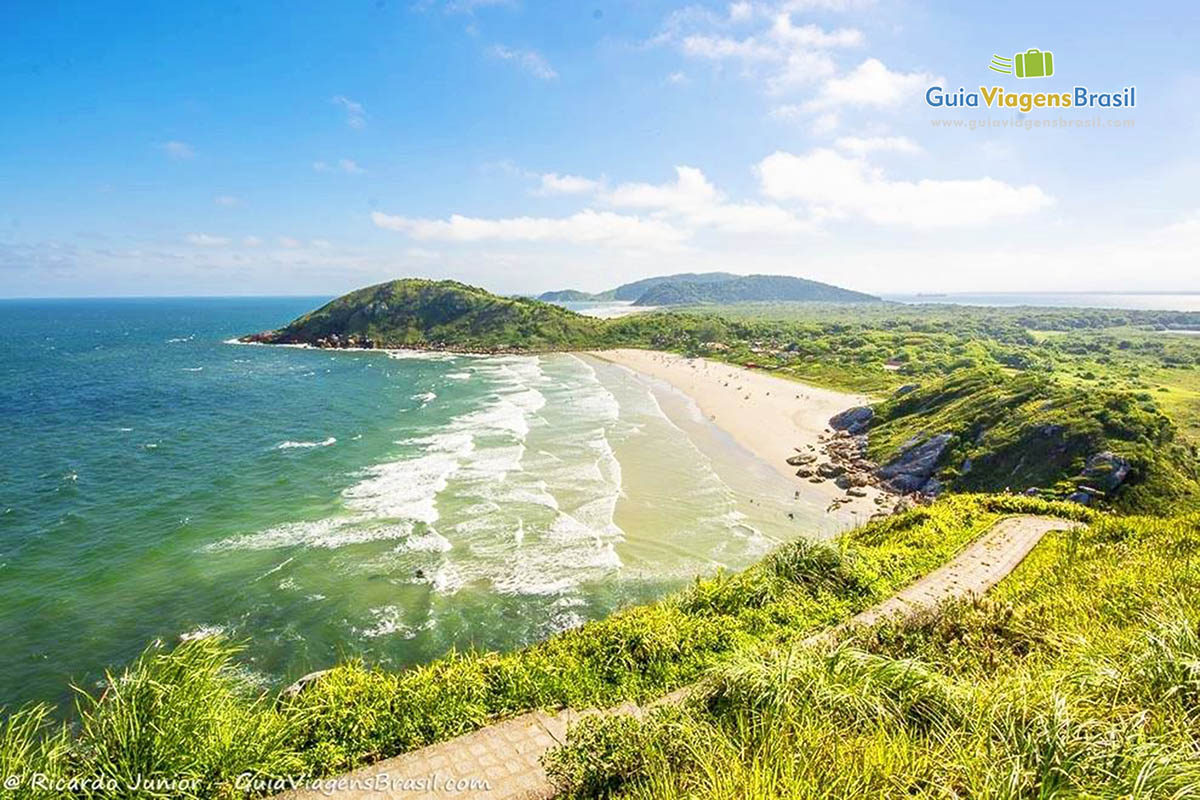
628 292
1028 429
437 314
750 288
1078 676
716 287
189 713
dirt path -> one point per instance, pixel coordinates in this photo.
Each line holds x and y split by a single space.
507 755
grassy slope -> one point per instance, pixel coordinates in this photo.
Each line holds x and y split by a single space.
1079 676
189 712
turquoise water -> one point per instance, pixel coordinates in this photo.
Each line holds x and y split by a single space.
159 482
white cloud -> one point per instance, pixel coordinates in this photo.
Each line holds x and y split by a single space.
831 185
870 85
586 227
786 33
691 190
529 60
553 183
205 240
861 146
227 200
252 241
289 242
320 166
783 55
825 124
356 115
177 151
677 79
694 202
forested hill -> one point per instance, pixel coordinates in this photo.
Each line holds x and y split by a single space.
749 289
691 288
415 312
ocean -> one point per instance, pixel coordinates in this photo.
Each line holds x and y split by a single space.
160 482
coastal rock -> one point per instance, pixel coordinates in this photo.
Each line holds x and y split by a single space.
801 459
853 420
1083 498
905 389
804 472
854 491
1106 471
828 470
912 470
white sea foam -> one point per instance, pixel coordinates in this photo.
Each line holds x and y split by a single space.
458 376
181 339
202 632
192 369
408 489
428 542
289 445
425 398
325 533
389 621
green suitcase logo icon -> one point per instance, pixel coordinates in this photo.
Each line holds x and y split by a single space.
1033 63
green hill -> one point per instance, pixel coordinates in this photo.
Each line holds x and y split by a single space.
436 315
1000 431
691 288
748 289
634 291
566 296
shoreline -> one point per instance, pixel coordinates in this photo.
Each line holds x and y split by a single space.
773 418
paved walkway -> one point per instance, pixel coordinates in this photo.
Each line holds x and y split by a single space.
507 755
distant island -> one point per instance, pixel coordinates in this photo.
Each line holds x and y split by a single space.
690 288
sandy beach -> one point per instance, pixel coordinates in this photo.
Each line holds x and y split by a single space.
771 417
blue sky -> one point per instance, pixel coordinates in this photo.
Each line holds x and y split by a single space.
300 148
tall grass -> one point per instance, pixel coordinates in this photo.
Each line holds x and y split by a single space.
1079 678
189 714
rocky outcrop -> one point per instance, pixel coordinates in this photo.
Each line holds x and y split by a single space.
1106 471
853 420
912 470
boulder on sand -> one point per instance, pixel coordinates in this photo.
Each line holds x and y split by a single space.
828 470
